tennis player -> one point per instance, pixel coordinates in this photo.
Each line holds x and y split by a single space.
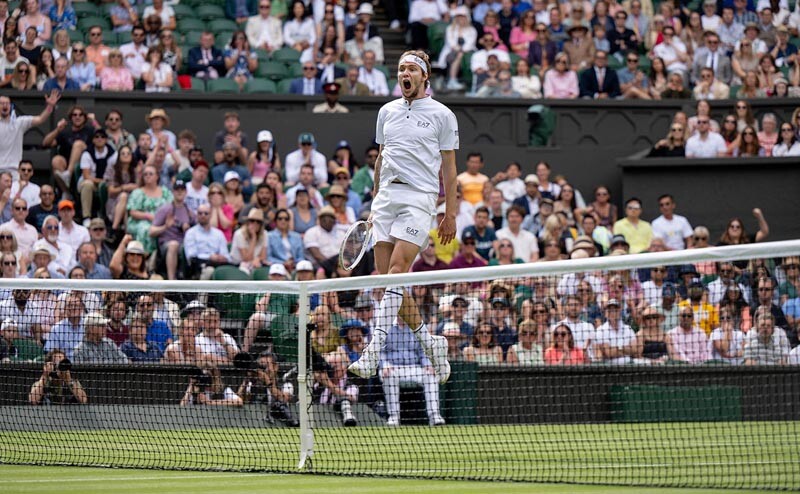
417 136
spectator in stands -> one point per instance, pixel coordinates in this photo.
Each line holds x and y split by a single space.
636 231
233 192
134 53
115 77
284 245
24 233
615 341
57 386
673 228
121 181
472 181
768 135
82 71
136 347
652 343
62 16
123 16
522 34
561 83
143 204
117 329
240 60
170 223
184 351
479 62
749 146
299 32
350 84
580 48
306 153
727 341
528 351
22 78
208 389
363 15
357 46
483 348
63 253
402 360
157 75
673 51
205 246
562 350
61 82
706 315
218 346
687 342
96 51
371 77
67 334
322 241
164 12
240 10
704 143
232 162
542 53
35 18
22 187
428 261
97 158
788 144
600 82
87 259
328 71
708 87
223 215
715 59
96 348
263 30
675 88
525 243
206 61
672 145
158 331
249 247
265 158
62 47
766 345
309 84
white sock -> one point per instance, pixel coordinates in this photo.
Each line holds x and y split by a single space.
387 313
424 337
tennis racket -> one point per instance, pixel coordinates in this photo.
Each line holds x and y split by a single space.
356 243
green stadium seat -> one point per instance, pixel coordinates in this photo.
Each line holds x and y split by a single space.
76 35
124 37
223 85
283 86
198 85
190 24
286 55
192 39
222 39
436 38
272 70
210 12
183 11
86 9
383 69
296 69
85 23
218 25
232 305
260 274
257 85
263 55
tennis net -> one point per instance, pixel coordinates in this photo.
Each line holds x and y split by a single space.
661 369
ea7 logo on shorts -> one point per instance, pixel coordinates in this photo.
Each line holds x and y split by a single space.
412 231
420 123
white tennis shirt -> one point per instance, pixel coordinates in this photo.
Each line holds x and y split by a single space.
412 136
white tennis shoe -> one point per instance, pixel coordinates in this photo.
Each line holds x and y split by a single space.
366 366
438 358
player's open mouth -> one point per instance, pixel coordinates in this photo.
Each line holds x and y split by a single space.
407 84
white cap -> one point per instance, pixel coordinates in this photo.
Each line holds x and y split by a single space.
365 8
231 175
304 266
278 269
531 178
264 135
8 323
461 10
94 319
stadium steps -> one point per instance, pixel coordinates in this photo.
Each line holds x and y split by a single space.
394 42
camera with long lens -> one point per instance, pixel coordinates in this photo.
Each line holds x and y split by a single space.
63 366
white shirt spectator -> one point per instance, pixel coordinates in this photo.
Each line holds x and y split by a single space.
568 284
375 80
195 197
525 243
260 31
736 344
25 233
511 189
295 32
710 147
134 58
711 23
13 129
652 293
670 52
615 338
583 333
166 15
75 236
295 160
318 6
87 163
427 9
31 192
717 288
673 232
759 46
326 241
210 346
200 243
779 150
480 57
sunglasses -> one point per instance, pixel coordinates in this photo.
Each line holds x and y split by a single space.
650 318
787 266
687 316
633 60
703 121
765 289
282 218
659 270
742 107
787 129
78 50
214 192
9 263
203 213
6 237
725 318
77 114
730 121
748 133
26 170
20 208
560 333
540 311
23 71
484 333
95 34
98 229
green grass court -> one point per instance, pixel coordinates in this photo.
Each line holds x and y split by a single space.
752 455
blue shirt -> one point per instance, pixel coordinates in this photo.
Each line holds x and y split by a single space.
99 272
200 243
65 336
83 74
402 348
158 334
70 85
218 175
153 353
483 242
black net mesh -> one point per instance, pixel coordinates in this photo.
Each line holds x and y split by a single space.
674 375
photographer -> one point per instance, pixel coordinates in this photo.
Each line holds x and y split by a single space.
57 386
207 388
262 386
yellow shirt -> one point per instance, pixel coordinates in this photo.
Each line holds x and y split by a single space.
445 253
472 186
706 316
638 236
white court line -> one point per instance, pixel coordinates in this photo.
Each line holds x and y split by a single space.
199 475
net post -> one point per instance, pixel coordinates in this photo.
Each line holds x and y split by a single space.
306 432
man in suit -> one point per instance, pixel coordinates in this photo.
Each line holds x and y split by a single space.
530 201
307 85
328 71
350 85
709 87
263 30
715 59
206 61
599 82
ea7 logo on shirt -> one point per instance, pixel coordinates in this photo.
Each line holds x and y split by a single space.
412 231
422 124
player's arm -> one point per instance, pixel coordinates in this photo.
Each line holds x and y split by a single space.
447 228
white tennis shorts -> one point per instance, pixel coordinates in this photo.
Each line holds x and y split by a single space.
400 212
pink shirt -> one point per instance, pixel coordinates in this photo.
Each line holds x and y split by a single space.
691 347
519 36
560 85
767 142
116 79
